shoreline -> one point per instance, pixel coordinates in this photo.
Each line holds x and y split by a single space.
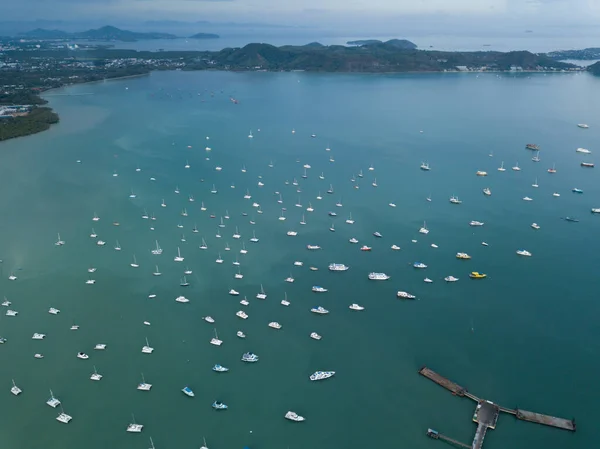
47 94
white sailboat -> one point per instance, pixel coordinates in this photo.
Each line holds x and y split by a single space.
178 258
59 241
156 272
215 340
262 294
158 250
147 349
134 264
144 386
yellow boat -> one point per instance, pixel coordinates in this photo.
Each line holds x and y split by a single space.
462 256
477 275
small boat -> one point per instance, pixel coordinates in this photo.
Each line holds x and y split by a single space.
427 280
313 247
38 356
455 200
243 315
536 157
419 265
481 173
392 204
188 392
234 292
463 256
576 190
553 169
583 151
59 241
218 405
321 375
100 347
523 252
424 229
53 311
241 334
556 195
526 198
355 306
425 166
365 248
182 299
320 310
405 295
289 279
208 319
594 211
215 340
377 235
353 240
476 223
292 416
532 146
284 301
38 336
587 164
501 168
535 226
317 289
583 125
82 355
275 325
249 357
134 264
220 369
477 275
315 336
450 279
298 263
571 219
395 247
535 184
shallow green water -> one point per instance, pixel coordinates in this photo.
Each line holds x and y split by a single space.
526 335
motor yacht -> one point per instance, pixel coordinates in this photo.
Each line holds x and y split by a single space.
463 256
249 357
220 369
450 279
82 355
378 276
405 295
476 223
523 252
419 265
356 307
477 275
240 334
292 416
487 191
318 289
275 325
338 267
243 315
315 336
319 310
218 405
321 375
535 226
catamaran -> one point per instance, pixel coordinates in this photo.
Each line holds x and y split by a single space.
158 250
215 340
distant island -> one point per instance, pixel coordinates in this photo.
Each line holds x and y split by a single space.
585 54
398 43
106 33
205 36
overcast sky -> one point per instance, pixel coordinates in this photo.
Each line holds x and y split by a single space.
332 13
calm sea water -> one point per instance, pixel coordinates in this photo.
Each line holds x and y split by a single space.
527 335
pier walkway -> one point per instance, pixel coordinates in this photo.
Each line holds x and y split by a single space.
438 436
486 414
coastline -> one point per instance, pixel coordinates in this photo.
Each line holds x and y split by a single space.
44 94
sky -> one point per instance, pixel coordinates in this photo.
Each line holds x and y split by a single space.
332 14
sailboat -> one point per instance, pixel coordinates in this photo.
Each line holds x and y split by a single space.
284 301
254 239
147 349
262 294
501 168
221 224
215 340
158 250
237 234
53 402
350 220
303 221
145 215
152 444
535 184
134 264
144 386
132 194
243 250
282 217
195 229
204 446
59 241
95 376
214 189
178 258
134 427
219 259
203 245
156 272
202 206
184 282
330 191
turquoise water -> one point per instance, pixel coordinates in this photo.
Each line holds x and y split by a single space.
527 335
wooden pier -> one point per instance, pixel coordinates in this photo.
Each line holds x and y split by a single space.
438 436
487 412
